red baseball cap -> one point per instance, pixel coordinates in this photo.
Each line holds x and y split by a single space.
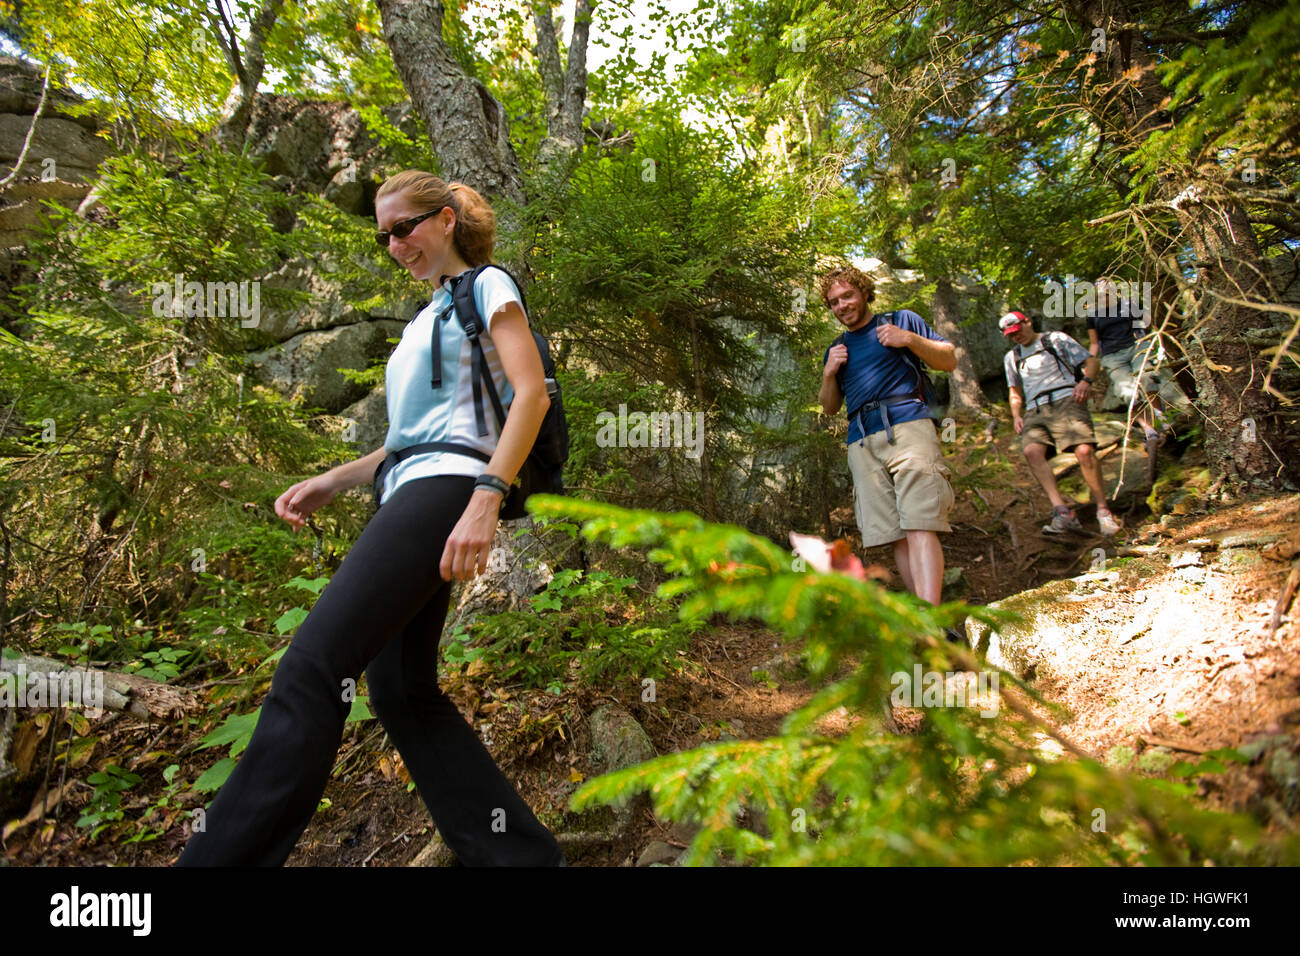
1011 322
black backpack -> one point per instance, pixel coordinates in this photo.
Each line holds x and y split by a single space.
542 471
924 387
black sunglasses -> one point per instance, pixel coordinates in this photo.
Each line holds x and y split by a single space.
404 228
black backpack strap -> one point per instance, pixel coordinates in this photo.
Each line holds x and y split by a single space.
485 373
839 375
435 348
891 318
462 297
1070 369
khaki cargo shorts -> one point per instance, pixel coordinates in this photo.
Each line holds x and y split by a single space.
1061 425
900 487
1126 368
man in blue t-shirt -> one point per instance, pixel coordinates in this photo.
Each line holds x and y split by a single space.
901 492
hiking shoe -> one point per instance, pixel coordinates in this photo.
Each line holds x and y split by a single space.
1152 445
1063 520
1107 522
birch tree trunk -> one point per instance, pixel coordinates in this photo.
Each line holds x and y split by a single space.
566 91
468 129
247 67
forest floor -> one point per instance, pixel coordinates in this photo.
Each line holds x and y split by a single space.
1166 688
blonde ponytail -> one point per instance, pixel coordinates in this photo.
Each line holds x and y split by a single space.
476 225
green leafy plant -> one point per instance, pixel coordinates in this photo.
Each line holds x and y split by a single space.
105 808
161 665
963 789
237 729
166 807
89 638
584 626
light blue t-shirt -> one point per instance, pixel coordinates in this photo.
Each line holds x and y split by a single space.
416 413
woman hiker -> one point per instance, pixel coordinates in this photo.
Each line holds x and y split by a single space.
383 610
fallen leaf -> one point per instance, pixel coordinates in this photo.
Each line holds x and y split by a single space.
835 556
38 809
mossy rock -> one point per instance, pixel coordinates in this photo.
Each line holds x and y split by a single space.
1057 625
1238 561
1156 760
1046 622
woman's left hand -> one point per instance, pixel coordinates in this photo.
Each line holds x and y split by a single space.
467 550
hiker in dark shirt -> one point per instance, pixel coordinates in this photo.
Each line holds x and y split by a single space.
1128 360
900 484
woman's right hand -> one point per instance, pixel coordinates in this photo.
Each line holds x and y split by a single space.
297 504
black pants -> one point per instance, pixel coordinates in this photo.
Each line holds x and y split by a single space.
382 612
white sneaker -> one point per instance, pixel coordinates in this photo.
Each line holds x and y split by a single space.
1107 522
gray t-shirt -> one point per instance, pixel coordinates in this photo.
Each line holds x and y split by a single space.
1039 371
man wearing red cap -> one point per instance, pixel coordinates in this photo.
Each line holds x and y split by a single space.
1044 376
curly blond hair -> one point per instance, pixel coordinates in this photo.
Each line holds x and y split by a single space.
853 276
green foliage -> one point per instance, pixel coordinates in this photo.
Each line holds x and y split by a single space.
137 646
675 266
105 807
134 435
237 729
586 627
965 789
1233 100
335 49
610 472
167 806
145 63
161 665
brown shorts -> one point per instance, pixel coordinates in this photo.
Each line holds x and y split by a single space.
900 487
1061 425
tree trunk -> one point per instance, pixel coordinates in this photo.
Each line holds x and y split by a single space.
247 69
964 385
468 129
59 681
1245 438
566 93
1246 444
